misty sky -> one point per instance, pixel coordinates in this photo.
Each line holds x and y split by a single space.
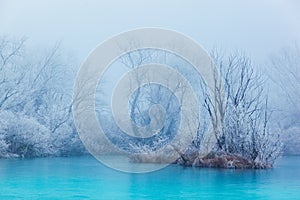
259 27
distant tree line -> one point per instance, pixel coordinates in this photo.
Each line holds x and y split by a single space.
36 104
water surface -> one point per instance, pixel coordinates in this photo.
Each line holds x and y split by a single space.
86 178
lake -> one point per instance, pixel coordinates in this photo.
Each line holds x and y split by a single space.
86 178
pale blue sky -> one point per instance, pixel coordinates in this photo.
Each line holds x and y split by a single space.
259 27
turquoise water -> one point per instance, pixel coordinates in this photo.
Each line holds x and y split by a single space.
86 178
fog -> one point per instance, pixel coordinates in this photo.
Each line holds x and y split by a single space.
258 27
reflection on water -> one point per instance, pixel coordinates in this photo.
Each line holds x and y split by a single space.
84 177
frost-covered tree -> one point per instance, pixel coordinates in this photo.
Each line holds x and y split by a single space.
285 77
139 103
23 136
242 105
147 95
13 72
35 104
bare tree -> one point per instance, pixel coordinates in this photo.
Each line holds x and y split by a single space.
11 73
286 76
243 109
33 88
146 94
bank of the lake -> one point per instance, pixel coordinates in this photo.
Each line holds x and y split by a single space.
85 178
